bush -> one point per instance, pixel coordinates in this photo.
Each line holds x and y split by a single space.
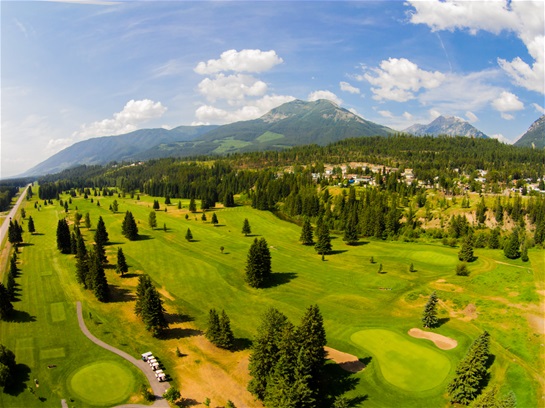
461 269
172 394
146 393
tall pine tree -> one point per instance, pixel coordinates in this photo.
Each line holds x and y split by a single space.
429 316
306 233
129 228
6 308
101 235
121 266
258 264
63 237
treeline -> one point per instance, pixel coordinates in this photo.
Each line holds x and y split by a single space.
6 195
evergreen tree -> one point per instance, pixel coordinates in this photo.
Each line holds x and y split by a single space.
6 308
101 235
129 228
188 235
101 252
115 206
167 200
73 243
156 205
471 372
214 219
121 266
226 339
153 312
429 316
524 253
63 237
466 251
87 221
15 236
312 338
144 282
351 231
7 366
203 217
246 229
31 227
228 200
512 245
179 205
99 283
10 284
323 240
494 239
306 233
258 264
82 263
265 348
213 332
152 219
192 205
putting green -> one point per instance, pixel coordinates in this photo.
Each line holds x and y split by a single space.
403 363
102 383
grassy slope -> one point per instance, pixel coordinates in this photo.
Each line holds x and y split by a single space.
46 330
197 276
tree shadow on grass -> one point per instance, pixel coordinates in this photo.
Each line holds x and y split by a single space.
173 318
337 251
143 237
21 375
336 382
177 333
188 402
111 243
130 275
20 316
359 243
25 244
280 278
119 294
241 343
442 321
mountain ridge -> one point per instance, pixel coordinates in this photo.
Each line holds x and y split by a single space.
534 136
446 125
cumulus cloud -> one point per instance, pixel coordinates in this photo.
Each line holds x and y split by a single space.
134 114
240 61
346 87
471 117
507 102
385 113
330 96
524 18
207 114
501 138
231 87
398 79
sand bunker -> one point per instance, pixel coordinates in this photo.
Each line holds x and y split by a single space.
443 342
346 361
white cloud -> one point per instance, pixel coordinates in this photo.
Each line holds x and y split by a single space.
345 86
407 116
507 102
316 95
539 108
524 18
243 61
434 114
169 68
133 114
207 114
501 138
232 87
386 113
471 117
399 79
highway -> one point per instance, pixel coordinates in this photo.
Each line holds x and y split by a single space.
5 224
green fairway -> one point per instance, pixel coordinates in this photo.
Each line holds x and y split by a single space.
403 363
102 383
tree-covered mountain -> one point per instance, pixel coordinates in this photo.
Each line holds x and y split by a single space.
446 125
534 136
103 150
291 124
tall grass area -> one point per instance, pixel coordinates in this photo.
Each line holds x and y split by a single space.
498 296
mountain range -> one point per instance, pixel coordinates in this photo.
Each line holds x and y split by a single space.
534 136
294 123
446 125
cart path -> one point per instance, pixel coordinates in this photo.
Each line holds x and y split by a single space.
159 388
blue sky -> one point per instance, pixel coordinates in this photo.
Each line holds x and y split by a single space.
71 71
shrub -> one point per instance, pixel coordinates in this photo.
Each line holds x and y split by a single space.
461 269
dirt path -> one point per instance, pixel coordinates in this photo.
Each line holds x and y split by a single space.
159 388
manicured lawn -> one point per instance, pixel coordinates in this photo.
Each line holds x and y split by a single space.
102 383
353 298
402 362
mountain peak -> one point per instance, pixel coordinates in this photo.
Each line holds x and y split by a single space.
535 135
446 125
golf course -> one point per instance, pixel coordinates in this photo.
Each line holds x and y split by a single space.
366 313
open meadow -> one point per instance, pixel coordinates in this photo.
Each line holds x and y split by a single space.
366 313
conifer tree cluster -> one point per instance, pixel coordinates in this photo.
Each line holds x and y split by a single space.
323 239
12 273
286 362
129 228
471 372
429 316
149 306
7 366
511 248
219 330
15 233
6 308
258 264
63 237
306 233
31 227
466 251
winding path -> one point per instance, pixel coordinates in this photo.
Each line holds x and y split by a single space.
159 388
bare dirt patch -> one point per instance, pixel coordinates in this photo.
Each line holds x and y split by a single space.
347 362
443 342
165 293
537 323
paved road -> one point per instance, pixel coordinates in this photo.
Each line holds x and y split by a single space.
159 388
5 224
